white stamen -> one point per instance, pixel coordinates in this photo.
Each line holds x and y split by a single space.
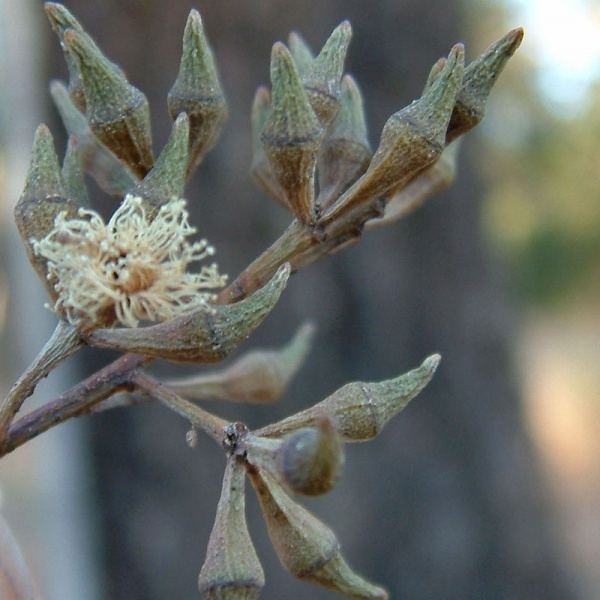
134 267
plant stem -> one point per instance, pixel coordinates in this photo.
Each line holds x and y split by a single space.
198 417
63 342
77 401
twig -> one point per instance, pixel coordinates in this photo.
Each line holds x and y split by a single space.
77 401
63 342
198 417
299 245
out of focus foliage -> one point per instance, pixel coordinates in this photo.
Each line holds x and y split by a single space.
543 208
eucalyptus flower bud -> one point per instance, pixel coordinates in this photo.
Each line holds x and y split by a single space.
322 81
308 461
306 547
42 200
346 153
199 336
411 140
97 160
197 91
167 178
431 181
72 174
480 77
292 135
258 377
231 570
301 53
116 111
260 169
61 20
359 411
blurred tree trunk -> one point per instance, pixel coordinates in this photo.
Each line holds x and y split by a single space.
448 502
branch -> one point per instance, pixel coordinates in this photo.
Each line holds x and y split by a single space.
63 342
77 401
198 417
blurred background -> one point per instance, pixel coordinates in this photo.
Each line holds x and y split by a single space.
488 485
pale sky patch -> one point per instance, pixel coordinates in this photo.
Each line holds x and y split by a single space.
563 38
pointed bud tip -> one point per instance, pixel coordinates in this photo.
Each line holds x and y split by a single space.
52 8
456 55
302 53
457 49
432 362
59 15
295 38
279 51
42 133
307 331
194 23
446 83
349 84
336 47
344 29
514 38
281 61
195 15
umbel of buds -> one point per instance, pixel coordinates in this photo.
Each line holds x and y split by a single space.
125 283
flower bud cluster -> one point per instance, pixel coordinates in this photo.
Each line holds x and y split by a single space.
124 284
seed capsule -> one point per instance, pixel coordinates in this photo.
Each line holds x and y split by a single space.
231 570
197 91
322 81
43 198
359 411
346 153
199 336
110 173
292 136
411 140
306 547
480 77
258 377
116 111
167 178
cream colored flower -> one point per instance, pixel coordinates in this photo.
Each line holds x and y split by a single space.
128 269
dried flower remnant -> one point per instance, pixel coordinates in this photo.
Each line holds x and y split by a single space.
128 269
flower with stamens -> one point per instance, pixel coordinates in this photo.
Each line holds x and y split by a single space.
130 269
